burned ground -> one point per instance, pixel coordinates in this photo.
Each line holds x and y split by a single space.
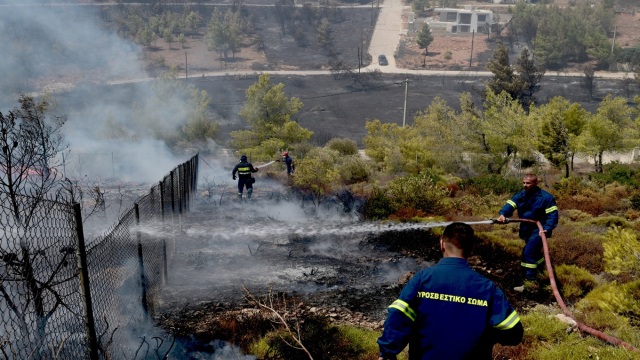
323 261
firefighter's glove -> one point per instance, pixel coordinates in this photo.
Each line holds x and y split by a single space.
234 177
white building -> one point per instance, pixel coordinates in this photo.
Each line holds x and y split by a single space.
464 20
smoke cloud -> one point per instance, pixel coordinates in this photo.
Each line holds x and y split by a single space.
123 131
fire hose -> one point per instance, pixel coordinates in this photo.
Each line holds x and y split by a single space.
556 293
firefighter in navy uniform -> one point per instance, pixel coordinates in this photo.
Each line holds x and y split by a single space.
449 311
535 204
244 170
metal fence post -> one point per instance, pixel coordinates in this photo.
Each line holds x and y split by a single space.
164 239
85 288
143 278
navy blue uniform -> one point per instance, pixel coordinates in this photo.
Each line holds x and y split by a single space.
244 170
538 205
289 162
449 311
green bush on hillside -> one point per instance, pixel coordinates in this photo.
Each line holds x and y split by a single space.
621 251
625 174
491 184
575 282
343 146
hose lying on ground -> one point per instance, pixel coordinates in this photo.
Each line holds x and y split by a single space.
556 293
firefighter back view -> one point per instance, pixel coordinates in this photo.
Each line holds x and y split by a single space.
244 170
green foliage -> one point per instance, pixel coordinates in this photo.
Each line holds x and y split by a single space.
613 297
269 114
396 149
542 327
581 247
610 221
575 282
417 191
499 240
491 184
361 341
323 340
378 205
448 55
425 37
411 195
316 172
504 77
625 174
353 169
569 186
575 215
621 251
199 127
343 145
609 130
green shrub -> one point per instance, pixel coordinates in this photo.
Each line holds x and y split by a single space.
635 201
569 186
378 205
417 191
448 55
343 146
322 339
613 297
574 281
575 215
353 169
621 251
542 326
491 184
614 172
610 221
497 242
580 247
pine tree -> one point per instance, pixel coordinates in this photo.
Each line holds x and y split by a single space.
425 38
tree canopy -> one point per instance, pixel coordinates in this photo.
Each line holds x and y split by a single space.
269 114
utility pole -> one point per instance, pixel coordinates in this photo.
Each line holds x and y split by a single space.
186 66
406 92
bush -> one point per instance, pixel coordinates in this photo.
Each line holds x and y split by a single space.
621 251
417 191
575 282
343 146
613 297
378 205
614 172
491 184
353 169
569 186
323 340
583 249
448 55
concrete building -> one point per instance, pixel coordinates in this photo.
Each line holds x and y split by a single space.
464 20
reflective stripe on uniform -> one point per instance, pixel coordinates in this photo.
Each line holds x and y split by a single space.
509 322
244 170
513 204
530 265
404 308
551 209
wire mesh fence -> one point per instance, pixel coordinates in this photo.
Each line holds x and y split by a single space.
61 300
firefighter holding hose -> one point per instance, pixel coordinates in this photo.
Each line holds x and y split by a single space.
535 204
244 170
449 311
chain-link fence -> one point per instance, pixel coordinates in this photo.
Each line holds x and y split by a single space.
62 300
